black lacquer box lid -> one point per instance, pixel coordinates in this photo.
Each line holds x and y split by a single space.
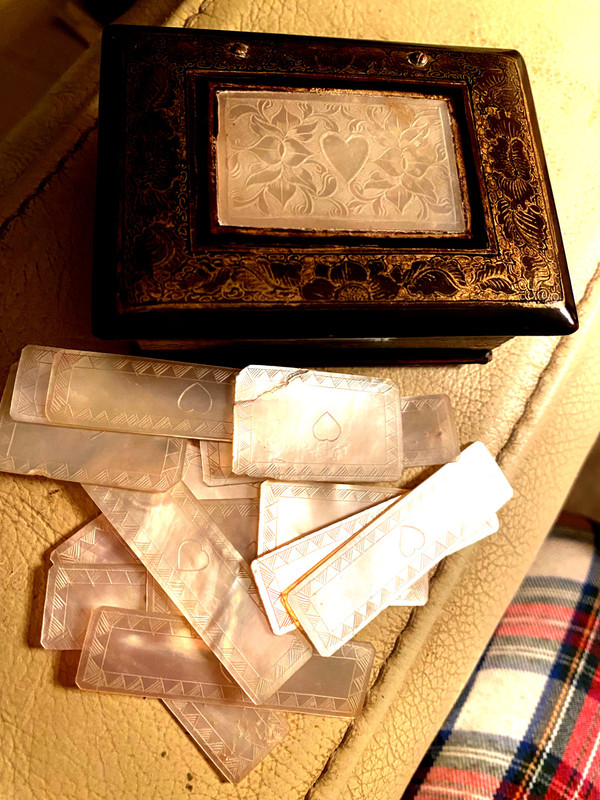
321 194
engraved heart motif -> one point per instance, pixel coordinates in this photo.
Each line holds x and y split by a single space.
326 428
411 540
346 156
195 398
191 557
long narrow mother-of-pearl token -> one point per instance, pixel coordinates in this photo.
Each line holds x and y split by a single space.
276 571
160 655
298 424
111 392
205 576
354 583
147 463
234 738
289 511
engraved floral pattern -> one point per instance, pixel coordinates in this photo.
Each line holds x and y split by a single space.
511 166
327 160
444 276
351 282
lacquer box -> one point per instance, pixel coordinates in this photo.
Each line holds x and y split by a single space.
308 198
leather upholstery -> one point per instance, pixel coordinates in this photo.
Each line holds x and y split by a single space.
537 406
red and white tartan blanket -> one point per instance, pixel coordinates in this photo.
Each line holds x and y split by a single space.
527 724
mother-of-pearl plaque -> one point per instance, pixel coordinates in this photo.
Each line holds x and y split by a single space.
330 160
300 424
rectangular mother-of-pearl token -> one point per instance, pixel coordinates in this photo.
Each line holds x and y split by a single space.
429 434
205 576
73 592
297 424
193 478
217 464
140 395
159 655
352 585
95 543
277 570
235 739
147 463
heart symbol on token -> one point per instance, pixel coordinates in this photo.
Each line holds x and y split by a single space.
195 398
191 557
326 428
347 156
411 540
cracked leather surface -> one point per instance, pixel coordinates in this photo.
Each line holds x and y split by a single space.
537 406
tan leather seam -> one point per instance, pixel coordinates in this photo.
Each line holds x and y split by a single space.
47 179
449 573
377 680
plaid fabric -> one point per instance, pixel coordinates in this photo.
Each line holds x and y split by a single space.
527 724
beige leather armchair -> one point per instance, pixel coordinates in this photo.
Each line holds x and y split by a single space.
536 406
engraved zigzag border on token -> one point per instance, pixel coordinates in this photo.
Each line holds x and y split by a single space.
212 469
60 410
34 360
361 652
61 577
217 463
102 477
82 546
92 673
271 492
433 402
265 568
250 376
